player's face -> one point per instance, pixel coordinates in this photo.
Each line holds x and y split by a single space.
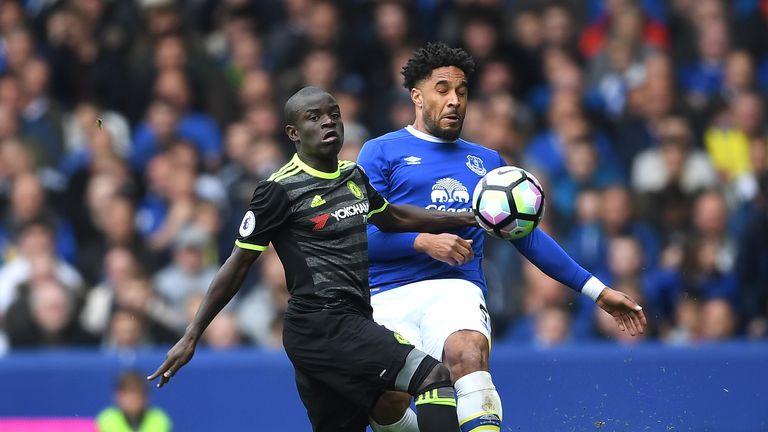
444 102
318 128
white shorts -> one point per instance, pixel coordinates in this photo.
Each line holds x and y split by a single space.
427 312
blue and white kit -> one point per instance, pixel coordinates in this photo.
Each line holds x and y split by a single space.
424 299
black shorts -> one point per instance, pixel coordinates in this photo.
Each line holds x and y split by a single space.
343 362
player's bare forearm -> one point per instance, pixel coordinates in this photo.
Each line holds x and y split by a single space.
224 286
407 218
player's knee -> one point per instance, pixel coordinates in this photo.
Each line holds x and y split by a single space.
390 407
420 373
439 376
466 352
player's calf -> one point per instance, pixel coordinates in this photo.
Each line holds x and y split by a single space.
436 401
478 404
430 383
393 413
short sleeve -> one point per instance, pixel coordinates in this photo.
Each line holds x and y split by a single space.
376 202
268 211
371 159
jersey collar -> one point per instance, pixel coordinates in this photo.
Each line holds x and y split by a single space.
425 136
313 172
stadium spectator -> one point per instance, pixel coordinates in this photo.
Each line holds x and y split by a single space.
674 163
583 171
660 288
615 72
704 77
132 410
547 150
552 327
256 87
729 138
127 332
541 293
115 219
176 118
35 246
189 273
120 265
82 68
584 239
136 297
250 159
222 333
739 75
45 316
627 20
175 210
392 31
81 124
646 107
40 115
28 203
13 16
19 48
111 112
719 322
619 217
687 324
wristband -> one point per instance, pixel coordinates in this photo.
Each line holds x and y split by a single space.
592 288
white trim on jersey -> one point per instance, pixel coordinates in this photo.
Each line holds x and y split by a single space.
425 136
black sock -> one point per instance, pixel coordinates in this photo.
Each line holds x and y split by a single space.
436 409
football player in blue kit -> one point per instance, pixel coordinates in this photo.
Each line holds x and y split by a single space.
430 288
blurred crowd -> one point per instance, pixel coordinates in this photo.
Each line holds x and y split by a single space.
132 134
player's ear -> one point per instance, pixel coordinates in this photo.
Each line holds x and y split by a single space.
416 97
292 132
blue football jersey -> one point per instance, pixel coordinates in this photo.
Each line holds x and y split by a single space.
410 167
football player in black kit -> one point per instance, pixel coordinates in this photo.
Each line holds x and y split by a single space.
314 211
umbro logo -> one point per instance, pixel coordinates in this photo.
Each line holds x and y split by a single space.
317 201
412 160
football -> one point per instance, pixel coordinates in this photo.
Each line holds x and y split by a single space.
508 202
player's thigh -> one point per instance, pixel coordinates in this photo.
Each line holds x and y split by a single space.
349 353
460 306
399 310
328 410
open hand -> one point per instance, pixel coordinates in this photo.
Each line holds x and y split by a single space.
628 314
448 248
178 356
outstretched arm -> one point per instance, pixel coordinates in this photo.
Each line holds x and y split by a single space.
225 285
544 252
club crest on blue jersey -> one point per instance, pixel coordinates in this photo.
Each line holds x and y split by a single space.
476 165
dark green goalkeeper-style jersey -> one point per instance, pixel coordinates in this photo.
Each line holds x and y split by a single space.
316 222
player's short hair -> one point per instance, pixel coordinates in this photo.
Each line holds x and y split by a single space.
431 57
296 103
131 380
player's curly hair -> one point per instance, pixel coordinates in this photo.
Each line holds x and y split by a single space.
431 57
